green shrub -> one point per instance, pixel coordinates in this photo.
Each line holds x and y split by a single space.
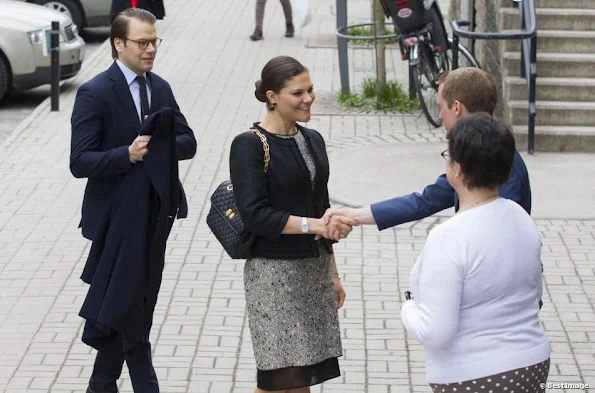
350 100
369 31
369 86
391 98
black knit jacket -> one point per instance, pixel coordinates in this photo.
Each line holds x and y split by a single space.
266 200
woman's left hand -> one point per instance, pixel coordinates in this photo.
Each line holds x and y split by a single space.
339 292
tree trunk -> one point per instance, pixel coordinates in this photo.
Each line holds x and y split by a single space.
379 20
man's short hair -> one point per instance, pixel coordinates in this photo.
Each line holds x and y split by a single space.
472 87
122 21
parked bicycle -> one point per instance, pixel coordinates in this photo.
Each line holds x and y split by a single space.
424 42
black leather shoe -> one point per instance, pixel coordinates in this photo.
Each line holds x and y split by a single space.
257 34
89 390
289 31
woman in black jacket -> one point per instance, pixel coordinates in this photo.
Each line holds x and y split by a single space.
292 284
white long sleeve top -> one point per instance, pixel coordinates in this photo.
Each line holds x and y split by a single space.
476 288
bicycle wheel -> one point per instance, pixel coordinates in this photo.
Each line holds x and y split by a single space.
466 58
425 78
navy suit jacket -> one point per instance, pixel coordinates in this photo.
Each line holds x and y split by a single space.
104 123
440 195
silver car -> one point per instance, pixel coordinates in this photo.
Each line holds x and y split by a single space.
24 58
84 13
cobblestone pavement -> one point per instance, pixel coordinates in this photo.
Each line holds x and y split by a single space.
200 337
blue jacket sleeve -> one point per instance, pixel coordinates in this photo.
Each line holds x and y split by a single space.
512 188
518 188
434 198
87 129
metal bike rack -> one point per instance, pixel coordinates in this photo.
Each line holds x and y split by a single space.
343 37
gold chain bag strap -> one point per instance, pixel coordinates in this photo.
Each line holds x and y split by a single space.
224 219
265 147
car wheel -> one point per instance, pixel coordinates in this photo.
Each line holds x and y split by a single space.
4 77
68 7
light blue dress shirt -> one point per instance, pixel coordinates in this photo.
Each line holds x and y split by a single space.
134 86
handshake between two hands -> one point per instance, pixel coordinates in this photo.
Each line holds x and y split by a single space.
335 225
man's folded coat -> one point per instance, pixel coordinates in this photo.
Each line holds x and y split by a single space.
125 264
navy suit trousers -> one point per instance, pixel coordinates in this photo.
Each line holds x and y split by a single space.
109 362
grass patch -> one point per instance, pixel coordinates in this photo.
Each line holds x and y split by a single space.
391 98
369 31
350 100
369 87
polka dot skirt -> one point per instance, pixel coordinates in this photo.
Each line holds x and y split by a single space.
521 380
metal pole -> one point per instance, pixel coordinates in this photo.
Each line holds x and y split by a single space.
465 16
378 84
342 46
532 92
531 127
412 92
524 42
55 66
455 51
379 49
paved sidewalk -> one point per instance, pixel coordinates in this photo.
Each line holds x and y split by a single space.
200 336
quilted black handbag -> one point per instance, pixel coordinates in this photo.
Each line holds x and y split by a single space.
224 218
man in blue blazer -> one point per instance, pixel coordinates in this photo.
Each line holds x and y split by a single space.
462 91
106 145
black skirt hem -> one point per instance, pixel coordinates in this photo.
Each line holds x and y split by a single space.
299 376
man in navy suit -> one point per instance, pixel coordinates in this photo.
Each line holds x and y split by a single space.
106 122
462 91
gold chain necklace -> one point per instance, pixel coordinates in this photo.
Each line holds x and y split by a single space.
488 199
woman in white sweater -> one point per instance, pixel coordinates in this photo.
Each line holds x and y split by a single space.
477 284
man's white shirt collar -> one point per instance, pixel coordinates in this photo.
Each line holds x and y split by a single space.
128 73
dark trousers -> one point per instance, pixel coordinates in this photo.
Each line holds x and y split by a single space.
287 11
108 368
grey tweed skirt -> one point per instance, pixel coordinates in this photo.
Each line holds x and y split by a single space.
292 311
